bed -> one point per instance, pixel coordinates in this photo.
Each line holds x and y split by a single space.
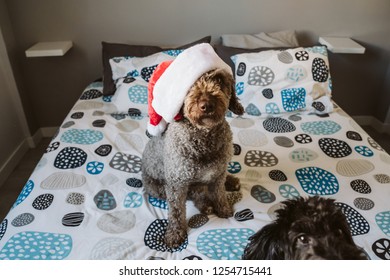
85 198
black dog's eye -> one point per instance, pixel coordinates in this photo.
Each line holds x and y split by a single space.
304 239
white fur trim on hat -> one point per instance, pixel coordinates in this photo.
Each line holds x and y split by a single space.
172 87
157 129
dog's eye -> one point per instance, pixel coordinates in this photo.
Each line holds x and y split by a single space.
304 239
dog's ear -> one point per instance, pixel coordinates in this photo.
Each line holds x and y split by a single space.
265 244
228 84
342 224
234 105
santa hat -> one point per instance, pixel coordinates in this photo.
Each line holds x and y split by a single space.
171 81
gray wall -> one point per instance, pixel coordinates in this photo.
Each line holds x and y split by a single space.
14 131
50 86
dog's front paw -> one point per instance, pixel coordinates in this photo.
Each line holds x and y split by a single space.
234 197
207 210
225 211
175 237
205 206
232 184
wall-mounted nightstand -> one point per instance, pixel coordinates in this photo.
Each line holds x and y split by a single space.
41 49
342 45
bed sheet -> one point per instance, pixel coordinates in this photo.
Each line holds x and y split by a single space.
85 199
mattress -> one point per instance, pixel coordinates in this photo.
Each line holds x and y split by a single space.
86 200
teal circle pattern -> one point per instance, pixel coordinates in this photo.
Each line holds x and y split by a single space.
252 110
321 127
82 136
30 245
133 200
383 221
272 108
317 181
364 151
224 244
95 167
239 88
173 52
158 203
293 99
234 167
27 189
138 94
288 191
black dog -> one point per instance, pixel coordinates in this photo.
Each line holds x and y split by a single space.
312 228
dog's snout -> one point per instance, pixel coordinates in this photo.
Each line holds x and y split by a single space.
206 106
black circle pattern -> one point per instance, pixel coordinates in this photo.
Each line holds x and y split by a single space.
91 94
236 149
241 69
198 220
319 106
277 175
146 72
134 182
52 147
268 93
77 115
357 224
99 123
302 55
43 201
155 235
303 138
381 248
244 215
134 112
278 125
360 186
103 150
334 148
353 135
69 158
320 70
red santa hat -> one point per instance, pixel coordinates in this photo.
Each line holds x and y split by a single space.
171 81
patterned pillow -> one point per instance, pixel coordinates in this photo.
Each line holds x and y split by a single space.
131 75
277 81
110 50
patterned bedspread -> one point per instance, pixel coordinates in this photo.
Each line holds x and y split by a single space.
85 199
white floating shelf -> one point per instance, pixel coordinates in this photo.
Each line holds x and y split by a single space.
342 45
41 49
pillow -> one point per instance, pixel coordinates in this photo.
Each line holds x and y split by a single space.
291 80
132 76
110 50
286 38
227 52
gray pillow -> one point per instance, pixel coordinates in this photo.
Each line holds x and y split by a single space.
286 38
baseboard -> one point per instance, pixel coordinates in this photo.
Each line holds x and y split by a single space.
43 132
13 160
373 122
49 132
28 143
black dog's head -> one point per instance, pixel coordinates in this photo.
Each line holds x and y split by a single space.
312 228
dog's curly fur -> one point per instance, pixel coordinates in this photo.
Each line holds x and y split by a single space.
312 228
189 161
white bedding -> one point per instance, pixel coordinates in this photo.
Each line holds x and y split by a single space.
85 199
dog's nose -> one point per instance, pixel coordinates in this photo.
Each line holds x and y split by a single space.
205 106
